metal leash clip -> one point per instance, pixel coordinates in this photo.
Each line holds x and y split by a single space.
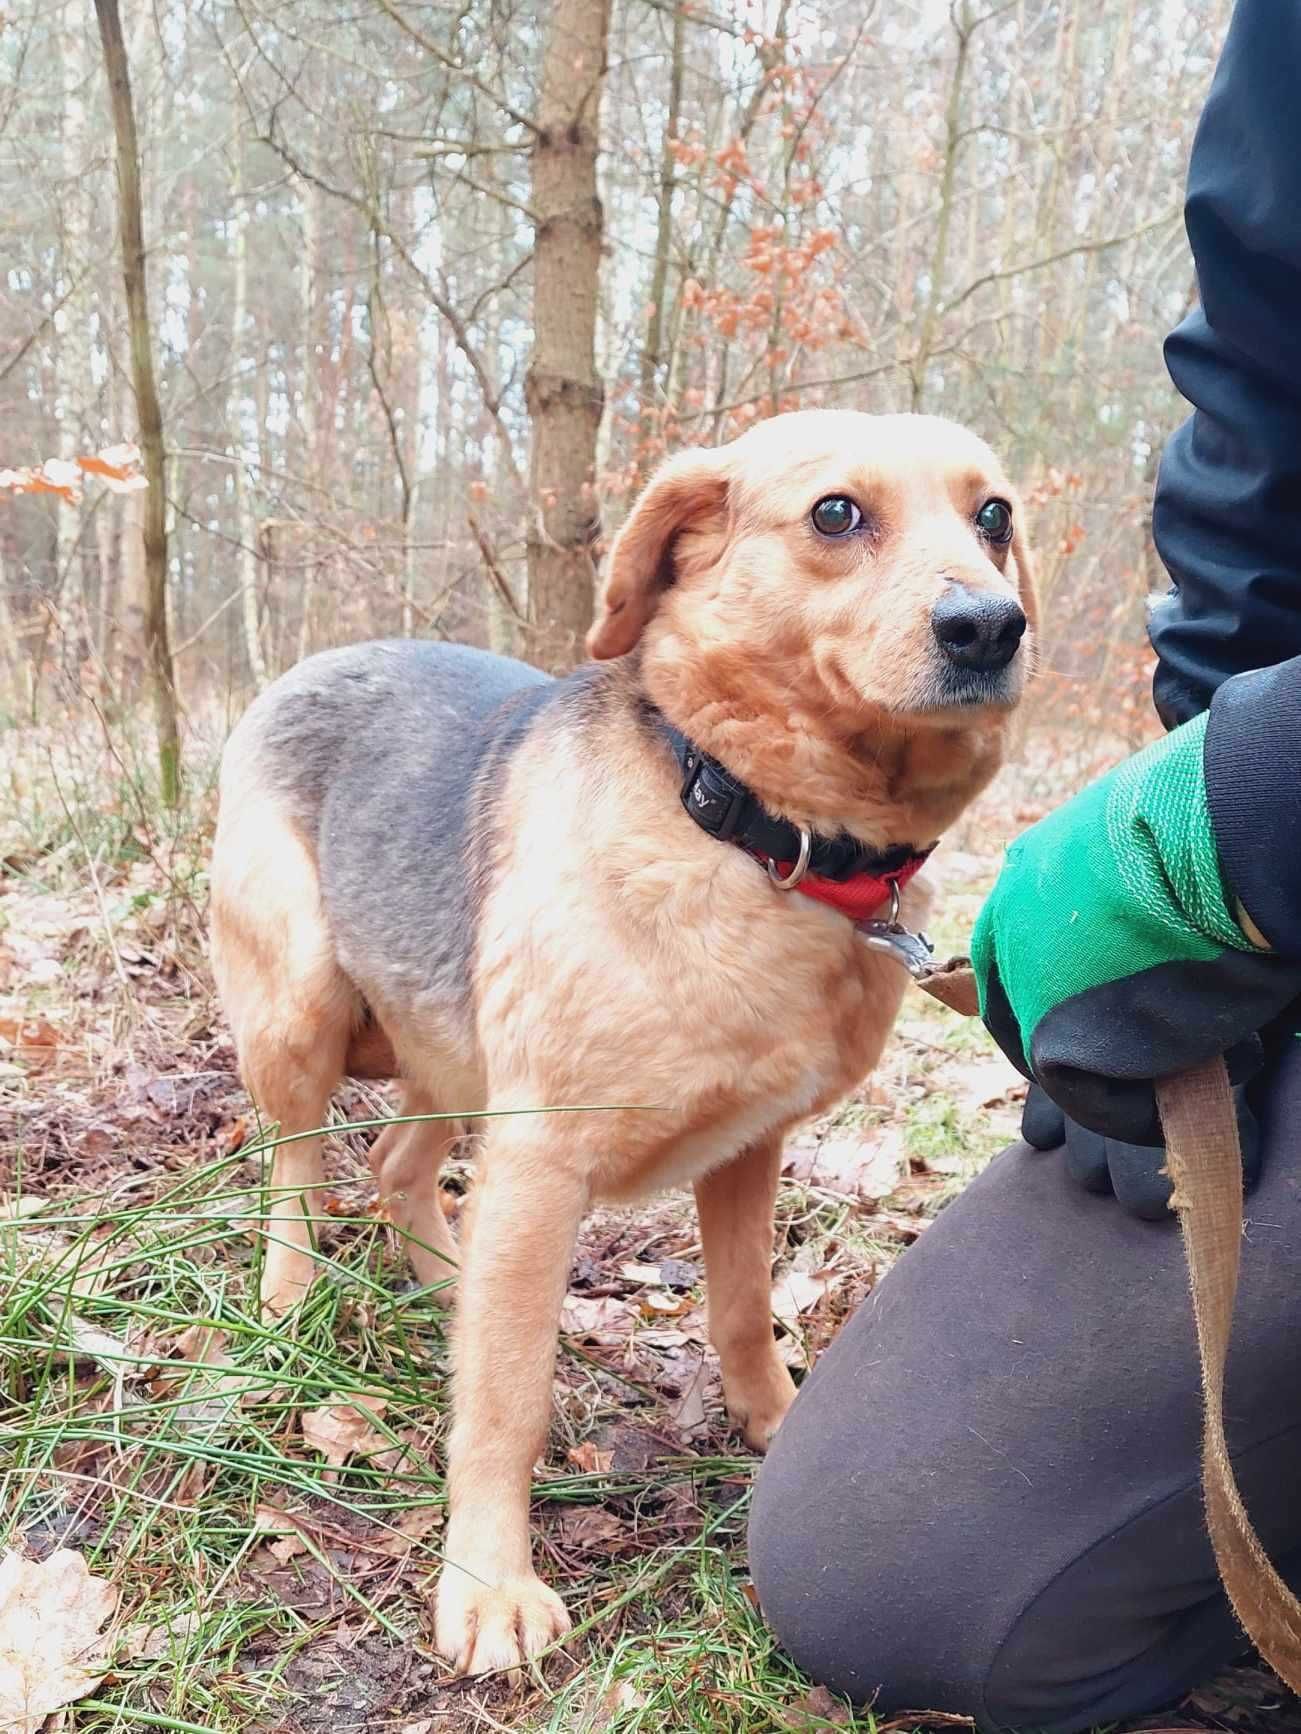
913 950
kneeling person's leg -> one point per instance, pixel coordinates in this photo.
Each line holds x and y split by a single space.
986 1497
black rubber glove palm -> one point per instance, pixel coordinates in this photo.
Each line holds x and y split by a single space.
1134 1173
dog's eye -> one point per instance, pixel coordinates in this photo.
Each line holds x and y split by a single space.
994 519
837 515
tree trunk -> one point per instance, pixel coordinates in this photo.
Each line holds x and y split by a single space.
131 235
247 528
947 197
652 355
563 392
76 390
309 455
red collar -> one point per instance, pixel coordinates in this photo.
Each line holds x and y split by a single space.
860 896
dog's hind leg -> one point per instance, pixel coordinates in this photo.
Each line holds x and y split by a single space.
405 1161
290 1009
735 1205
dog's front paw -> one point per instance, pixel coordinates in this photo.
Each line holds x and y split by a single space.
760 1410
287 1275
480 1627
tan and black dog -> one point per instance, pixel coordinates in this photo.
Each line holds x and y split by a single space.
635 885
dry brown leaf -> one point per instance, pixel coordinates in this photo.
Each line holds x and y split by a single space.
622 1695
796 1292
606 1320
91 1269
52 1650
893 1222
289 1542
26 1033
233 1135
862 1164
146 1643
411 1527
817 1710
341 1429
867 1166
111 1352
592 1529
589 1459
688 1413
212 1391
423 1726
661 1303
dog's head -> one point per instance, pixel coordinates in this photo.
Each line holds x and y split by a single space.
866 579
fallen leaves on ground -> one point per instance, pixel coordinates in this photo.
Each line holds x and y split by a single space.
289 1543
868 1163
110 1351
52 1648
413 1526
606 1320
589 1459
688 1414
33 1041
592 1529
149 1643
986 1084
643 1274
342 1428
818 1709
797 1292
211 1391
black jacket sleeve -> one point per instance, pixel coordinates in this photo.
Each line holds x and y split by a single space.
1227 516
1252 760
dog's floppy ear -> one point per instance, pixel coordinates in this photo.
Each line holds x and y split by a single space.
685 488
1027 589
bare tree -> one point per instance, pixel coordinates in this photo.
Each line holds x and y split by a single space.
374 349
563 392
131 238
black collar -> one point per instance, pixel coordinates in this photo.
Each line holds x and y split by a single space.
722 805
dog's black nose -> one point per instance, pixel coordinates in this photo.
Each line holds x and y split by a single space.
976 629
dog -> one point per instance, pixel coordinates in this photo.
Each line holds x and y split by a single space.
635 885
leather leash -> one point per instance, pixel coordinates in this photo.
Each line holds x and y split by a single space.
1205 1164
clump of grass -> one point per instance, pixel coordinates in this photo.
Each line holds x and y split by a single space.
700 1661
155 1468
130 1437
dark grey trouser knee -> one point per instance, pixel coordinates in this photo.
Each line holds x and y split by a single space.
986 1497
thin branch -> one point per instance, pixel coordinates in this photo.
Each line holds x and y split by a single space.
463 73
459 330
499 579
38 331
982 282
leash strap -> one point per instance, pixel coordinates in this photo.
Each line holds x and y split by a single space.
1205 1163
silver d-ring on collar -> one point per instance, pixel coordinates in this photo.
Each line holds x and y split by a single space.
800 868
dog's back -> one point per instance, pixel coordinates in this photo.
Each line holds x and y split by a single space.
370 722
373 753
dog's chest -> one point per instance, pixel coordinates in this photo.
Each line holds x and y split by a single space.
722 1083
677 981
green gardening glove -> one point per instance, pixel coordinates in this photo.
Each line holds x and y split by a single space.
1109 952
